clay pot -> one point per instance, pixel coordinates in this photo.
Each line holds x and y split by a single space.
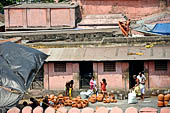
115 101
66 97
94 96
112 100
166 98
100 99
74 105
79 105
69 104
100 95
52 96
78 97
104 101
93 100
160 97
112 96
60 96
168 95
160 104
83 105
108 100
166 103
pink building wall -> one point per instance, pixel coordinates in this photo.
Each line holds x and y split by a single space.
40 18
159 79
115 80
131 8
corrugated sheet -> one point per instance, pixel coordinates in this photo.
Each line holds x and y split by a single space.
107 53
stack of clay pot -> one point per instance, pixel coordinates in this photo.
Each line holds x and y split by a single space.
93 98
160 100
110 99
79 103
100 98
163 100
166 99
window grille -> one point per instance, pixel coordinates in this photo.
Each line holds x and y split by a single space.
59 67
161 65
109 66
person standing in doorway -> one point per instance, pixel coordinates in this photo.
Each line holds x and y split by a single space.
142 80
93 85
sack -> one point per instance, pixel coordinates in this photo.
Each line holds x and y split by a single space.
132 98
137 90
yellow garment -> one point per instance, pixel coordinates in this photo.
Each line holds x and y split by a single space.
137 90
70 90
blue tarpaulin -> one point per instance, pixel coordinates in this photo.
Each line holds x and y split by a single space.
161 28
157 29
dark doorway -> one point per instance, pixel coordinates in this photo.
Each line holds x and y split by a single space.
86 72
134 68
37 83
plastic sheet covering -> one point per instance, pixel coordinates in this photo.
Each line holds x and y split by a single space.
18 67
162 28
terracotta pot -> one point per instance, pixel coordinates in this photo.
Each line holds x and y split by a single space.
112 100
51 96
166 98
66 104
78 97
160 97
83 105
160 104
74 105
69 104
100 99
66 97
112 96
93 100
100 95
115 101
168 95
108 100
60 96
104 101
79 105
94 96
166 103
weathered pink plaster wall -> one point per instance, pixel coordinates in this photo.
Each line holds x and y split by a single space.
36 17
114 79
131 8
159 79
57 21
39 17
57 80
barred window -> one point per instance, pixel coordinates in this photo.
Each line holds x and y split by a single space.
109 66
59 67
161 65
